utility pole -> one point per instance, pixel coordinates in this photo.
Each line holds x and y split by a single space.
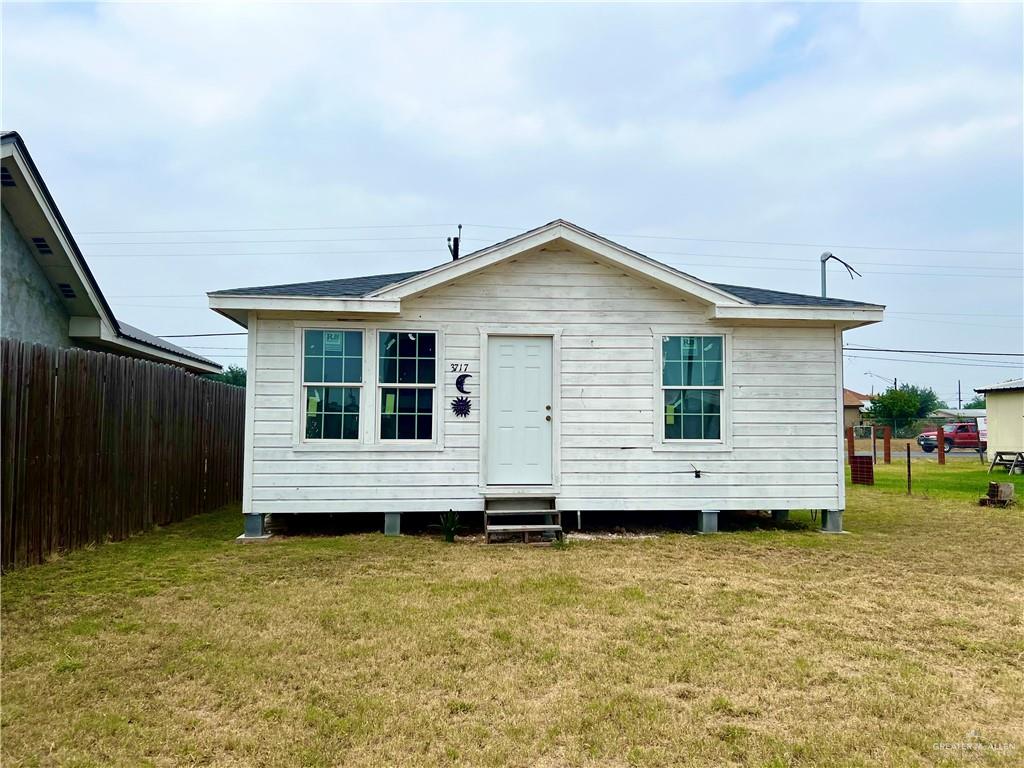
959 400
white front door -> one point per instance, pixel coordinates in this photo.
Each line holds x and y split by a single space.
519 410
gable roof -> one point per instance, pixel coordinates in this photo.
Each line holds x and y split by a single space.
361 287
565 232
765 297
853 399
27 198
344 287
370 285
382 294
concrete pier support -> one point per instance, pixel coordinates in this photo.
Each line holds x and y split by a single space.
831 521
255 528
392 523
707 521
780 515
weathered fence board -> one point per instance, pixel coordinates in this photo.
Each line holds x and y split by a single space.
97 447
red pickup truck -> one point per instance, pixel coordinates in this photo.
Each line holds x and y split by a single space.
963 435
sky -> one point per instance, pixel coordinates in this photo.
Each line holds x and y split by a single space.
197 147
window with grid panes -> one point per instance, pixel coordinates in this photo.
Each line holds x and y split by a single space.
332 381
407 372
693 386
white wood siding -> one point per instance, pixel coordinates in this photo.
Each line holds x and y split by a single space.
783 452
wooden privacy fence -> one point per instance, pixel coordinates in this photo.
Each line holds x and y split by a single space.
98 447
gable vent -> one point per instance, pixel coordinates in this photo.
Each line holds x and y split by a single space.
6 180
42 246
66 291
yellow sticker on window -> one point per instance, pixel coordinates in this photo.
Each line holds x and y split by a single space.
389 404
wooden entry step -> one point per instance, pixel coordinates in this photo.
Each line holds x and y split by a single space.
530 524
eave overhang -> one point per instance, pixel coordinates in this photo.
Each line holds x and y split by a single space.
237 308
775 314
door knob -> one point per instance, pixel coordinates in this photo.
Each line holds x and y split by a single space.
548 417
547 407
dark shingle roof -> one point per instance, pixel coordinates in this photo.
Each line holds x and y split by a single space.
343 287
764 296
361 286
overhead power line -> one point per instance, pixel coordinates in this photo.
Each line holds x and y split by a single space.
252 253
197 335
789 244
382 253
760 259
259 229
287 240
783 243
935 362
825 245
865 348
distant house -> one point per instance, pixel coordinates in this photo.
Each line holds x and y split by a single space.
556 370
854 404
958 414
1004 406
48 294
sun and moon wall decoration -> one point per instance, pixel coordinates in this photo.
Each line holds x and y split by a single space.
461 406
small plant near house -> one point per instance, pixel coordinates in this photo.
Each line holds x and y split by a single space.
449 525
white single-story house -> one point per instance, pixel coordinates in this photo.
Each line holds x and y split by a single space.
556 372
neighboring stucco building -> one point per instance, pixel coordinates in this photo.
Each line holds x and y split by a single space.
1004 405
853 405
48 294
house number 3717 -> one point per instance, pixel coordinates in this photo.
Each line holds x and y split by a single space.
459 367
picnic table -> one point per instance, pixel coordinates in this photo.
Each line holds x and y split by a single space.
1009 459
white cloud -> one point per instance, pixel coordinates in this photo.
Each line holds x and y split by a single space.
877 123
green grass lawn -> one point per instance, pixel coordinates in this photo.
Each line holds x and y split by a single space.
899 644
958 479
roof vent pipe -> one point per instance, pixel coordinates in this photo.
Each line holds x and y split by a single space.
453 244
824 259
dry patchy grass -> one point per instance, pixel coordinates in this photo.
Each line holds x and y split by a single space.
759 647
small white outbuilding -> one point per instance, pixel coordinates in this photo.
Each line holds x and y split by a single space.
1004 410
555 372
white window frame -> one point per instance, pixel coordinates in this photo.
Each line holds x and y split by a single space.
724 442
437 387
300 377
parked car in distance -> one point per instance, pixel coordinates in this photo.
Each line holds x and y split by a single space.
962 435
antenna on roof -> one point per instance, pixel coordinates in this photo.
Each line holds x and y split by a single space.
453 244
825 257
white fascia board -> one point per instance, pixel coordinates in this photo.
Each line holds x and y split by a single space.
847 317
305 304
95 328
11 151
163 355
630 261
